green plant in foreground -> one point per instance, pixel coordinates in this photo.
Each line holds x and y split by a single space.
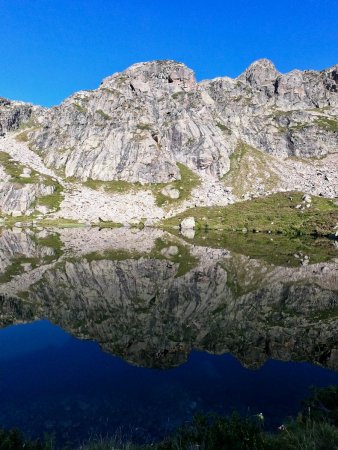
315 428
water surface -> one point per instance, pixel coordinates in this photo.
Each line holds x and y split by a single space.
139 330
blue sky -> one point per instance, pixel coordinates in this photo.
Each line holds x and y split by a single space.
52 48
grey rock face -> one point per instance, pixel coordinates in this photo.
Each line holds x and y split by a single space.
140 122
135 127
12 114
17 199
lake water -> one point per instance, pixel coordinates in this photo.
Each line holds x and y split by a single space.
135 331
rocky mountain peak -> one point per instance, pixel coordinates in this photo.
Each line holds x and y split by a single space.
158 73
144 123
260 73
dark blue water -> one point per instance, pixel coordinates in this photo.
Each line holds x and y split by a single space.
53 383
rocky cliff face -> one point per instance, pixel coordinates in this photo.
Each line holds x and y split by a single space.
13 114
140 123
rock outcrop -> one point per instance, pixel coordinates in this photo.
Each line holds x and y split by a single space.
13 114
140 123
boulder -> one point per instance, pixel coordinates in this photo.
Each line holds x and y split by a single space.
171 192
168 252
188 223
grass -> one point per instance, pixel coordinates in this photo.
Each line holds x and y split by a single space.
275 213
299 126
314 428
224 128
144 126
118 186
113 255
52 201
276 249
16 267
61 223
104 115
108 224
80 108
17 263
189 180
327 124
183 258
53 240
14 169
178 95
249 167
23 136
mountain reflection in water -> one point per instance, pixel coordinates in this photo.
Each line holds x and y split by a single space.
152 299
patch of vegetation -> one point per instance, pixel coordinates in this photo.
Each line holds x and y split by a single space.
17 267
248 167
299 126
224 128
323 109
22 137
80 108
275 213
276 249
52 240
327 124
52 201
60 223
104 115
15 169
189 181
183 257
144 126
177 95
108 224
314 428
113 255
120 186
30 123
14 440
279 113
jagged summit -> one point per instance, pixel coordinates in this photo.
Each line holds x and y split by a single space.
260 73
158 72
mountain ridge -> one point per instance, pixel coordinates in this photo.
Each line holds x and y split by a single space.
140 123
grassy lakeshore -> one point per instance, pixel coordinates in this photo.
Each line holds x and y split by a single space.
283 212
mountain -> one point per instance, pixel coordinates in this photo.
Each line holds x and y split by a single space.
151 142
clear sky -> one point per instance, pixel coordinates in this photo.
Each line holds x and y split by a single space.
52 48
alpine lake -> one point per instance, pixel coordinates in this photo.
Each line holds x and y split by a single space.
134 331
